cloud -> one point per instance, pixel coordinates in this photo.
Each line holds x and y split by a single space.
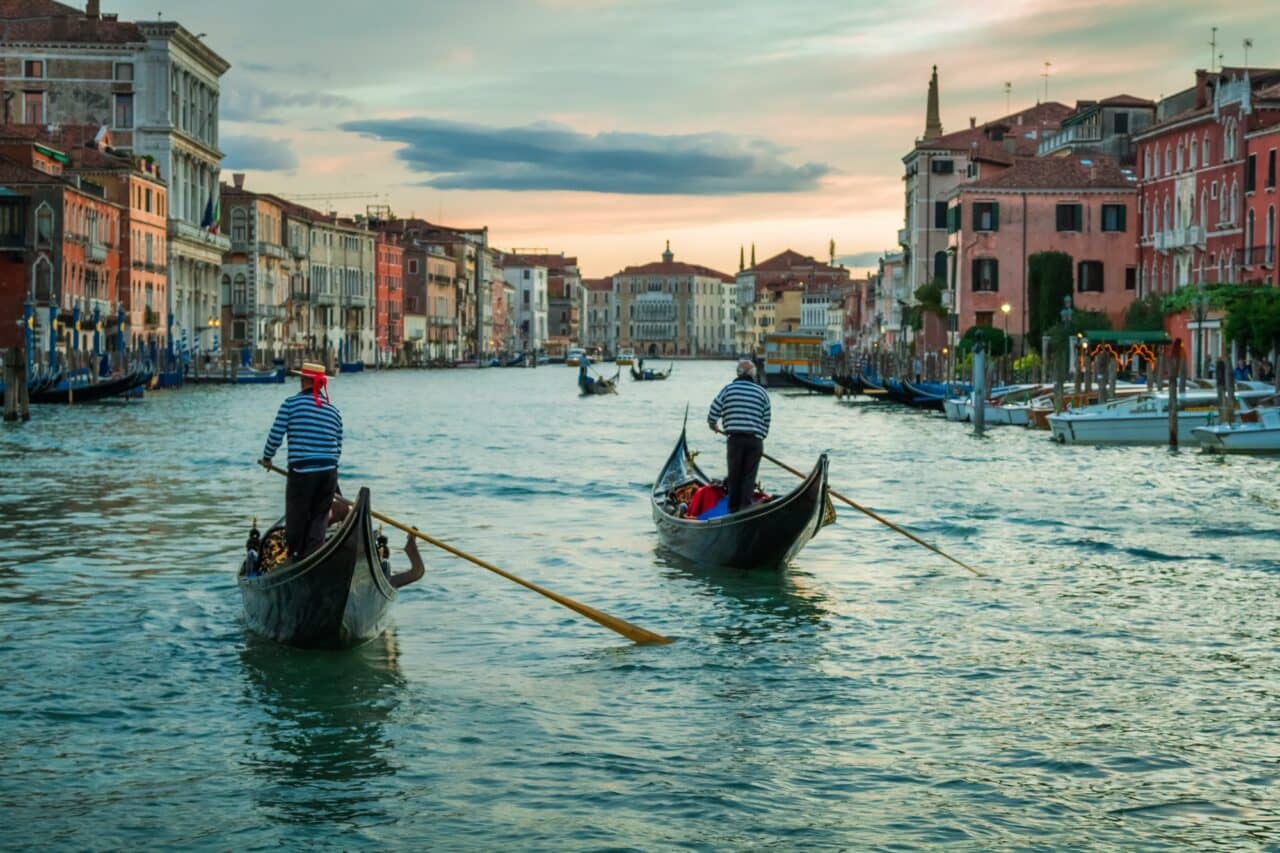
244 103
258 153
860 259
552 157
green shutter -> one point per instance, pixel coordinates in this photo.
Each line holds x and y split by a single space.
1123 211
995 216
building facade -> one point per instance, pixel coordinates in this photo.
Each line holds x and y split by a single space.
528 279
389 298
669 307
1262 206
600 314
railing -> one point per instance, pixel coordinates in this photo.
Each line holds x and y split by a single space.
1258 256
904 237
241 309
1066 136
299 253
357 300
187 231
150 317
300 294
324 297
271 250
97 253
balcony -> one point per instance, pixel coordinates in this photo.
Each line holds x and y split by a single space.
298 252
185 231
97 253
324 297
357 300
300 294
241 309
272 250
1174 239
904 237
150 318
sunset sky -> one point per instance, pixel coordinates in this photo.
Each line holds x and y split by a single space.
603 128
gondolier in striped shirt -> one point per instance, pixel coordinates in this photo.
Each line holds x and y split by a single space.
313 427
741 411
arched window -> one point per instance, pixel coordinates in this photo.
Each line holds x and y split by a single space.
1146 163
1191 157
1235 202
239 225
44 225
1270 242
1178 162
1177 213
1204 206
1248 239
226 288
239 290
42 281
1168 159
1166 222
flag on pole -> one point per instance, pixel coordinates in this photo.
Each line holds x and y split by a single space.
212 215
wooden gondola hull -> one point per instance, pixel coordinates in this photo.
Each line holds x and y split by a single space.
765 537
89 392
336 597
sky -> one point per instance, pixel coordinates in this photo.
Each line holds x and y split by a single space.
604 128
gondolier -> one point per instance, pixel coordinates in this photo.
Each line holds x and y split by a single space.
741 411
313 427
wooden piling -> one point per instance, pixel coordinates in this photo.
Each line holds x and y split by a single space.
979 389
1175 369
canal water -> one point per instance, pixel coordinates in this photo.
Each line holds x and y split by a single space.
1113 683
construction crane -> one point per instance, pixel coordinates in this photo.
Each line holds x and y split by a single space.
328 198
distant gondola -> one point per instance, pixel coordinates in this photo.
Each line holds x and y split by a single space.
817 384
764 536
640 374
336 597
850 382
589 385
82 391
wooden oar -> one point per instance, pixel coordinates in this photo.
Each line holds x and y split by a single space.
632 632
884 521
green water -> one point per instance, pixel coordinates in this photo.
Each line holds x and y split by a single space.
1112 685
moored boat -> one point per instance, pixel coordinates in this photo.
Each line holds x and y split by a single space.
574 356
764 536
336 597
1255 431
642 374
1141 419
815 384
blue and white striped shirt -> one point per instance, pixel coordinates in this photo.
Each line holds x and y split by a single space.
315 433
744 407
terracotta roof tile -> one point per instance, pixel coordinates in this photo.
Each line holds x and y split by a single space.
1044 173
598 285
48 22
1041 117
675 268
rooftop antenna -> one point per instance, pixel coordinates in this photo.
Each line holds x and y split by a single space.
1008 92
1248 43
1045 75
1213 46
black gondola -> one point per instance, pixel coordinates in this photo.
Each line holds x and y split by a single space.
336 597
850 382
588 385
765 536
818 385
80 391
642 375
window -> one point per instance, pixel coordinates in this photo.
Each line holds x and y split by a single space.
942 167
1213 190
1191 163
986 274
1089 277
33 69
940 267
1130 278
1113 217
1248 238
953 219
1070 217
1271 169
44 225
1271 236
1168 159
413 265
983 318
1251 173
124 72
33 107
526 275
124 111
1120 123
939 214
1146 163
986 216
239 225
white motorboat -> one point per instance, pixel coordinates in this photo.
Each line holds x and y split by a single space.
956 408
1256 431
1141 419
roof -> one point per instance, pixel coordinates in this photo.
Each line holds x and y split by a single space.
1126 101
598 285
1041 117
789 260
14 172
1049 173
77 141
549 260
48 22
1126 338
675 268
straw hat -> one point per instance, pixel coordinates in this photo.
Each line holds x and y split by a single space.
309 367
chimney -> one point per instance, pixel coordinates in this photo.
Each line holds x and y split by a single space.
92 9
932 121
1202 88
973 122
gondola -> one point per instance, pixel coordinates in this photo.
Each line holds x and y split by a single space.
639 374
765 536
816 384
79 390
850 382
336 597
588 385
925 395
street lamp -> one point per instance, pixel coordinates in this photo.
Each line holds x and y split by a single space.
1005 309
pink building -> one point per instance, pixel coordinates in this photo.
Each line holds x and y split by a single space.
1262 202
1084 206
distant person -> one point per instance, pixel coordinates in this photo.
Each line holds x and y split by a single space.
741 411
313 427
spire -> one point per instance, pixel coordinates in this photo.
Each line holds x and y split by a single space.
742 262
932 123
666 255
753 255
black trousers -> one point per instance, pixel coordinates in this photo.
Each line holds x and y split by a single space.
307 498
745 451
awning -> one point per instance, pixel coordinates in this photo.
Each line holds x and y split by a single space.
1126 338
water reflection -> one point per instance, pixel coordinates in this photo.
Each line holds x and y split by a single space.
768 603
321 726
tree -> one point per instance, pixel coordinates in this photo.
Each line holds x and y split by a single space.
998 343
928 299
1049 276
1089 321
1253 322
1145 314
